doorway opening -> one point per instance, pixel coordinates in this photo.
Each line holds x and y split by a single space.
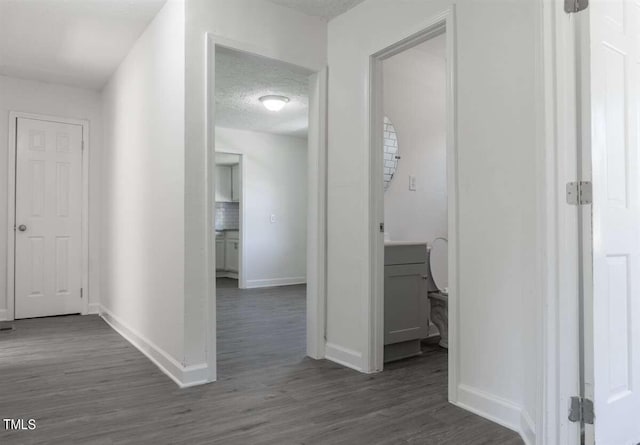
413 171
263 189
228 220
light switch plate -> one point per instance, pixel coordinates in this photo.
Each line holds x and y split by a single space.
273 218
412 183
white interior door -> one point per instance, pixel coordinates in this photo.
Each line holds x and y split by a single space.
612 305
48 218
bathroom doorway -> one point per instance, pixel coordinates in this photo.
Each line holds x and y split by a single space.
414 199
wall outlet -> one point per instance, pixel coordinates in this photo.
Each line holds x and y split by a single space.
273 218
412 183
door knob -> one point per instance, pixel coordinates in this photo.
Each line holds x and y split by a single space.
22 227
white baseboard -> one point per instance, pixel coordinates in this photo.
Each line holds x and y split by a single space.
184 376
94 308
343 356
527 428
3 315
274 282
496 409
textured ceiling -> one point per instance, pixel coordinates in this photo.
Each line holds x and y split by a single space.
242 78
327 9
74 42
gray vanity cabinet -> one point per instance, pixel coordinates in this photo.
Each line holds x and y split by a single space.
405 306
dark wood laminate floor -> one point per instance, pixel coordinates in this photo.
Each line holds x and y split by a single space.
259 328
84 384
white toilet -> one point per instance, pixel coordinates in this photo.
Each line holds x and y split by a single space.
437 282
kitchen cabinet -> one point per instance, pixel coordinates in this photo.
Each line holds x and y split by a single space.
223 183
231 255
220 256
228 183
235 183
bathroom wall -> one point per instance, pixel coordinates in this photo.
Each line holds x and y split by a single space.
414 101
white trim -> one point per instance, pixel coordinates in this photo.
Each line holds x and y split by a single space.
86 153
527 428
210 317
438 24
275 282
558 250
11 193
3 315
317 217
183 376
94 308
316 331
242 257
489 406
498 410
344 356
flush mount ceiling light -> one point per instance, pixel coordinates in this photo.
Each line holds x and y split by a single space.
274 103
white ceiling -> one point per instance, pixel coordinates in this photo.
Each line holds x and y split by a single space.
327 9
242 78
74 42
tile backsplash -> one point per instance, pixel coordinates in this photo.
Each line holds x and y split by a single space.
227 215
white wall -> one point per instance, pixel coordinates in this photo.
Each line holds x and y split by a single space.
61 101
496 162
274 182
253 25
414 100
143 192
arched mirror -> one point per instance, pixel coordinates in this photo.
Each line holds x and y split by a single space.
391 153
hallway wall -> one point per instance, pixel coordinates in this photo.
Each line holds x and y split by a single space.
255 26
498 350
143 200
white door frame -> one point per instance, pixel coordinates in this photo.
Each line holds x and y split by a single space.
11 204
558 253
316 221
442 23
242 276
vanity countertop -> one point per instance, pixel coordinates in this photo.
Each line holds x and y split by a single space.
404 243
228 234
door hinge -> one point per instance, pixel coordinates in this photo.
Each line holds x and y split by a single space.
579 193
82 144
381 227
581 410
571 6
81 293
